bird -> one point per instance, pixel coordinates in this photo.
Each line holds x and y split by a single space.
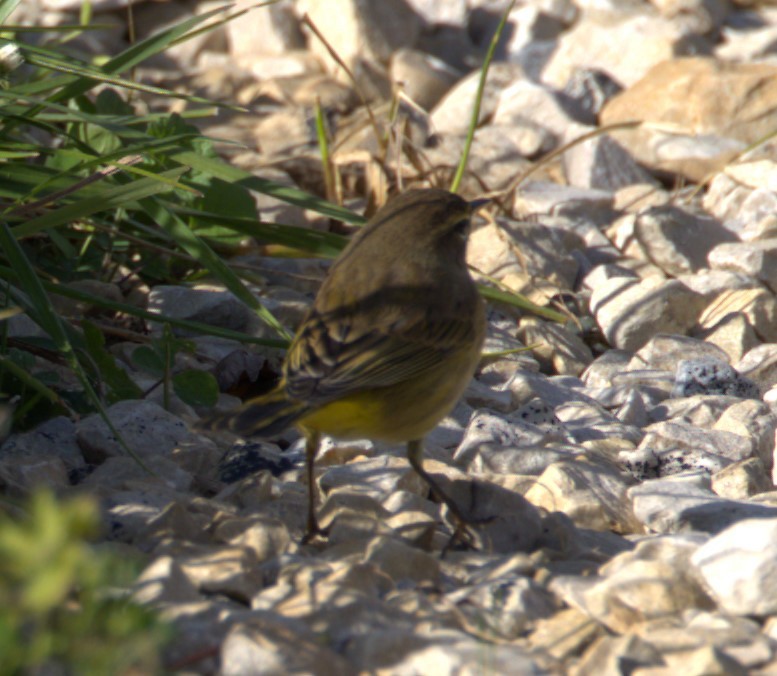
389 344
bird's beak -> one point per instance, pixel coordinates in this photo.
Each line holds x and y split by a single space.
474 205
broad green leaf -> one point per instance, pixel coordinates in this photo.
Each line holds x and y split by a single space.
147 359
116 378
196 388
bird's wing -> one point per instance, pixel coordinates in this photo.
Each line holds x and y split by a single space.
331 358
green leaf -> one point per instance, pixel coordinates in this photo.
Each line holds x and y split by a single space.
196 388
116 378
6 7
316 242
149 360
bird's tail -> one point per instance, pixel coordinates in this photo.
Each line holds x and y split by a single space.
261 416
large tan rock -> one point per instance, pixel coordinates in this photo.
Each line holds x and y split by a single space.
698 113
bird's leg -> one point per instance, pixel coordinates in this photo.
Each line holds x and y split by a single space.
312 439
461 532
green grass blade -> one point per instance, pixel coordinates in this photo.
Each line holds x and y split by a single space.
516 300
473 121
107 199
325 244
6 7
29 381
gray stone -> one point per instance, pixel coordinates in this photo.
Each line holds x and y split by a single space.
421 76
586 422
760 365
651 582
164 582
276 24
20 476
375 477
201 303
600 162
753 420
609 653
506 606
733 334
552 199
686 503
520 248
596 41
466 657
451 12
55 437
674 447
524 100
401 563
601 371
677 240
146 428
711 283
709 375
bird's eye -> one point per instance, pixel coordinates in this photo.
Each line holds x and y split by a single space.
461 227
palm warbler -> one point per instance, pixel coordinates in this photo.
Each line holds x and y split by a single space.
390 342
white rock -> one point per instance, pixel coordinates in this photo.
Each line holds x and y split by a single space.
526 100
451 114
755 421
597 42
629 312
369 31
591 493
277 25
758 304
739 566
665 351
742 480
757 259
451 12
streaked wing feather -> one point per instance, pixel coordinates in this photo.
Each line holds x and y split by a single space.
331 359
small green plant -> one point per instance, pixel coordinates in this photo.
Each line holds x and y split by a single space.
55 607
193 387
93 188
